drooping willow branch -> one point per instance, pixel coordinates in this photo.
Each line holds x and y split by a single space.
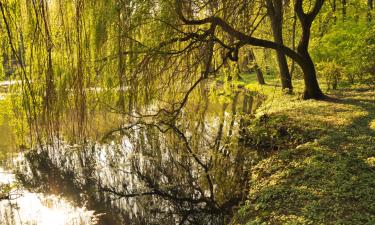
25 79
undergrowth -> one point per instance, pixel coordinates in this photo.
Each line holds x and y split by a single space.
319 166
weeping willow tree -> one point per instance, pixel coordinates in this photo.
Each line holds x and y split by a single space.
139 58
77 57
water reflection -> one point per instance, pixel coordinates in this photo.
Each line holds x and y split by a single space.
7 139
187 170
21 207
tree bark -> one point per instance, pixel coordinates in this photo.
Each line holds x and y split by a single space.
370 6
275 13
312 89
343 10
258 71
292 67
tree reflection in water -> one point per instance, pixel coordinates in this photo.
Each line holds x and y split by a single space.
189 169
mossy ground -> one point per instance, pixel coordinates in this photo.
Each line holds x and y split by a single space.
329 177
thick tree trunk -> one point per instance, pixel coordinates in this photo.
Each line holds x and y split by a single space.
312 89
275 13
286 80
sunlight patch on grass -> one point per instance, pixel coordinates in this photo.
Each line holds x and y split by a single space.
371 161
372 124
328 179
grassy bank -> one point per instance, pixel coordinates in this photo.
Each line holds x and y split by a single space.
328 176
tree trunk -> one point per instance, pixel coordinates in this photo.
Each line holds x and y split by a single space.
258 71
343 10
260 76
334 11
266 58
275 13
286 80
370 6
312 89
292 67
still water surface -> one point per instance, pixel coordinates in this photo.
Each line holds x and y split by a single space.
19 205
188 171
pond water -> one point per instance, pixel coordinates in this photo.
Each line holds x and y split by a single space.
18 205
26 207
186 170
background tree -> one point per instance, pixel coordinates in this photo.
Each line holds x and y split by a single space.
301 56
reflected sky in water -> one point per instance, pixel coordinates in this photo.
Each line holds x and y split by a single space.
19 206
22 207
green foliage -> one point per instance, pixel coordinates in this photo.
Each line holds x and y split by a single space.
349 46
331 72
13 125
366 57
269 133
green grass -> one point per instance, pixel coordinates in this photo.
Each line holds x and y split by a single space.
328 177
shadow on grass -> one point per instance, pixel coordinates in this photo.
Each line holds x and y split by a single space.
327 181
359 131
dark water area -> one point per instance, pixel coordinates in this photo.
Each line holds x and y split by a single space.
189 170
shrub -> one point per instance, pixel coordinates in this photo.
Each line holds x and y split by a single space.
332 73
